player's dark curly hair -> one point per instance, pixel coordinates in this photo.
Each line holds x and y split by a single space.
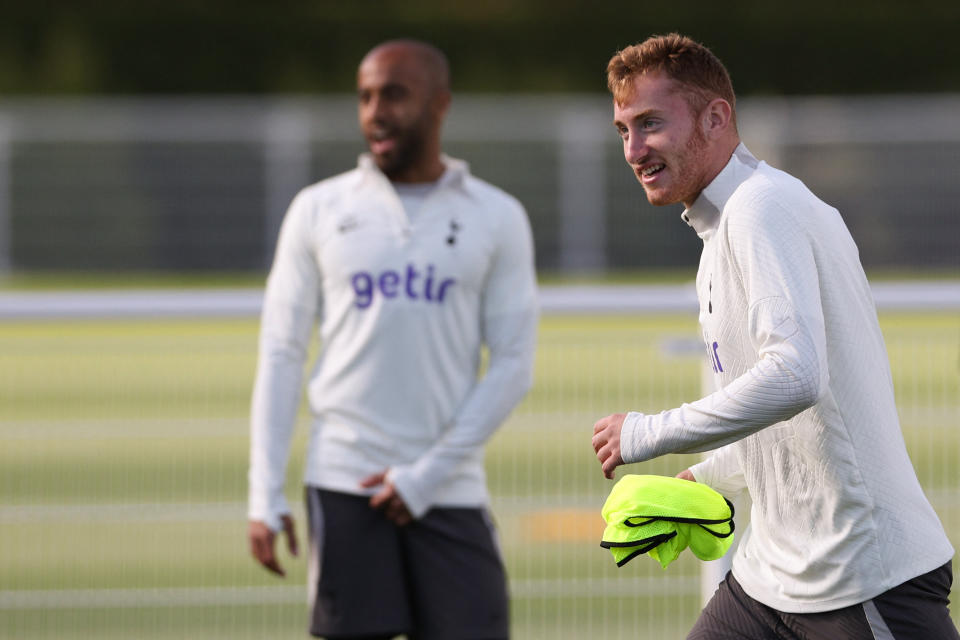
679 57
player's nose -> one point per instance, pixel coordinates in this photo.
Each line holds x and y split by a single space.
635 149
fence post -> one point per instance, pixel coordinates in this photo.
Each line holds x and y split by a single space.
286 143
6 197
582 202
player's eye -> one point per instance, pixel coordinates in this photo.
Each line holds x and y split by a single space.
394 92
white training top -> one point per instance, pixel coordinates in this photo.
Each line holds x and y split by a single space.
805 397
405 306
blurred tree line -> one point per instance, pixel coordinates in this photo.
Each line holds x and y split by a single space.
217 46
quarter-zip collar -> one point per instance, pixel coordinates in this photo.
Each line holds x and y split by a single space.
370 177
705 213
453 176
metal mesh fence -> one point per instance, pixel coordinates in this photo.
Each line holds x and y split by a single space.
202 184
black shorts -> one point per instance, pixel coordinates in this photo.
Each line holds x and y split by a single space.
914 610
439 578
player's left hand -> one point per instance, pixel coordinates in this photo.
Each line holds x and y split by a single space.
387 499
606 442
262 540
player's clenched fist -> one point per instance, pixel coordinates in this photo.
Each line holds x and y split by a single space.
606 442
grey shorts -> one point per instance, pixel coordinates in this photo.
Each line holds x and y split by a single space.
914 610
439 578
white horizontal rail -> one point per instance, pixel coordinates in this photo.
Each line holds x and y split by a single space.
580 299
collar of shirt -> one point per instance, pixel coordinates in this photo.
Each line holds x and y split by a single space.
454 175
705 214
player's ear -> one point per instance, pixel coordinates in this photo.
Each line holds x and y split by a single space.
716 117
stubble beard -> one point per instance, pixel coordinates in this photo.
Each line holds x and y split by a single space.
694 159
409 150
688 164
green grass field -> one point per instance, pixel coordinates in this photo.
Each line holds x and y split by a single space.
123 454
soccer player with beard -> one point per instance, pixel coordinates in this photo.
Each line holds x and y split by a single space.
411 265
842 542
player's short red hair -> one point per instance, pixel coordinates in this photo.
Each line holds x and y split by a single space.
690 63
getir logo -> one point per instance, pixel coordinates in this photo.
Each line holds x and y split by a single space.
714 357
414 284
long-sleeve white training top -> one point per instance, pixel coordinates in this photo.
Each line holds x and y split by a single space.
804 416
405 305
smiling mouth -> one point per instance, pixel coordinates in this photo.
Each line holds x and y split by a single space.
381 146
381 142
652 170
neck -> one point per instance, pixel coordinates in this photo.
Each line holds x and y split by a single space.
718 159
427 165
425 171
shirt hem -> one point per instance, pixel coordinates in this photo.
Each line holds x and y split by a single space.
833 604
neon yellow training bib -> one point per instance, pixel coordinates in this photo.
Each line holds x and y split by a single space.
662 516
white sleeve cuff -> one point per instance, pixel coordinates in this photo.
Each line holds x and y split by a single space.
267 509
402 480
701 472
630 437
722 472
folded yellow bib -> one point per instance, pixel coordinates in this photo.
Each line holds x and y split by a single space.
662 516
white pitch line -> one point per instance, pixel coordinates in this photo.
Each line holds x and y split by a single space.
95 428
237 511
130 512
13 600
605 588
136 598
503 506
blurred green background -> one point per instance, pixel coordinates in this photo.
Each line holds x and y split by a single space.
177 46
123 454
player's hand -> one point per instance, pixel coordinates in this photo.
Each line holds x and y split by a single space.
387 499
262 540
606 442
686 474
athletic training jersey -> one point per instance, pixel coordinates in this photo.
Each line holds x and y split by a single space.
405 306
805 397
